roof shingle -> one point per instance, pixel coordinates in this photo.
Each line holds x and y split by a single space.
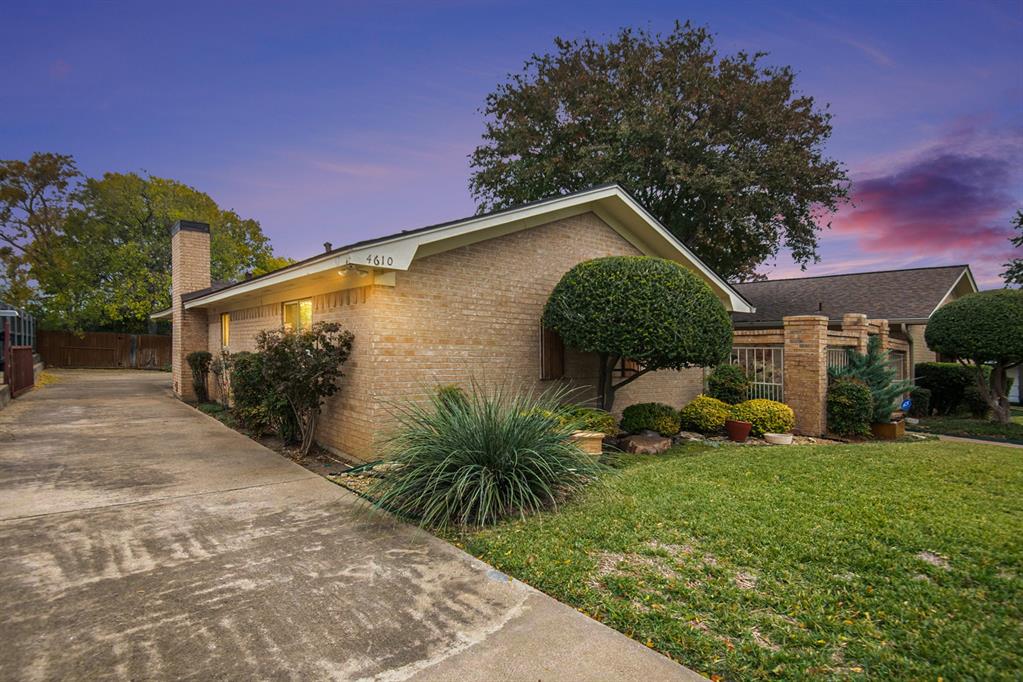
893 294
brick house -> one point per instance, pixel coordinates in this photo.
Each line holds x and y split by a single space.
906 298
435 305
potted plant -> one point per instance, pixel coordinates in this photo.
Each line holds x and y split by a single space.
874 369
778 438
738 430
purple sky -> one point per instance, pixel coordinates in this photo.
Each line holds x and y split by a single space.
347 120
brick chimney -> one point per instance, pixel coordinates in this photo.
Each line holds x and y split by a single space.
190 271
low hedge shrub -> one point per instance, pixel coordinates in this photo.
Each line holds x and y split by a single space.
767 416
704 414
974 402
589 419
850 407
664 419
921 399
947 382
728 383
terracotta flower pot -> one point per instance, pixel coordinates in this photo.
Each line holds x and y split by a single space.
738 431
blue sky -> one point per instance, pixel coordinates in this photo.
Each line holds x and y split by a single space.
347 120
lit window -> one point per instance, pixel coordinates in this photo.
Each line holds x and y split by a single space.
225 330
298 315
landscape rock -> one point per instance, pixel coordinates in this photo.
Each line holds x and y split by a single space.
646 445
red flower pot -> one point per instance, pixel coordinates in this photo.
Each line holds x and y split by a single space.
738 431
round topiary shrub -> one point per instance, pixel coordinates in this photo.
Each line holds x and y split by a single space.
767 416
653 311
704 414
728 383
850 408
658 417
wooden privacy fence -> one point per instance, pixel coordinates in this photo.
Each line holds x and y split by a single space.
104 350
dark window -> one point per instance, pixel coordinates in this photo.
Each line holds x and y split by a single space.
552 355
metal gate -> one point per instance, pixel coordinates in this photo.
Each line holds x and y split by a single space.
765 367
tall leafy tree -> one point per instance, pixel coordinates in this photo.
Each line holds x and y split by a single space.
1014 268
102 261
721 149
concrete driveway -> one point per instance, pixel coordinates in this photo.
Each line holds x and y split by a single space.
140 539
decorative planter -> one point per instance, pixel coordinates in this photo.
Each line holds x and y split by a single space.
888 430
738 431
590 442
778 438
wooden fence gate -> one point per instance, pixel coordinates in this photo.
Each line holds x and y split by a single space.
21 374
105 350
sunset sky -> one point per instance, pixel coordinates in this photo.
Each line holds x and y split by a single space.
347 120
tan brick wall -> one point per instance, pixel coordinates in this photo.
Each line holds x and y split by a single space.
475 312
921 353
806 371
190 271
469 312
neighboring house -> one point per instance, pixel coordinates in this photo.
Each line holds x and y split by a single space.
436 305
906 298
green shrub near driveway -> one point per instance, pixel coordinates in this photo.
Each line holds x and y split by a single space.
704 414
728 383
664 419
767 416
850 408
503 453
199 362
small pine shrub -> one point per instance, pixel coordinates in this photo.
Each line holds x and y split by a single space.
658 417
767 416
850 408
199 362
728 383
921 399
704 414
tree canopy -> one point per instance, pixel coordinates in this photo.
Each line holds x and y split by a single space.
723 150
652 311
1014 268
94 253
983 329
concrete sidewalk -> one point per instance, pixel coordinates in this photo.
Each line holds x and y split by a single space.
141 540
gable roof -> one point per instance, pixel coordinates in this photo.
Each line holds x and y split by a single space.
397 251
896 295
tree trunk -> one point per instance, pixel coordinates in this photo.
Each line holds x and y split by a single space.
999 401
308 427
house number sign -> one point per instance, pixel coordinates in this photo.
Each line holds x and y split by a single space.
377 259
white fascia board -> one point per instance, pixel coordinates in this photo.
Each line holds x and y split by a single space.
969 278
164 314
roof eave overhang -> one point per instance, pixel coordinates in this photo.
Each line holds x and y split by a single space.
396 253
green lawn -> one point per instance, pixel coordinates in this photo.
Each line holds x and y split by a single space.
960 425
898 561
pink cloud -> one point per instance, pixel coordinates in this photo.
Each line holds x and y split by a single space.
59 69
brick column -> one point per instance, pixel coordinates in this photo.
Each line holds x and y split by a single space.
884 332
806 371
190 271
856 323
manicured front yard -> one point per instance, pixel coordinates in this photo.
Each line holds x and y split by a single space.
959 425
898 561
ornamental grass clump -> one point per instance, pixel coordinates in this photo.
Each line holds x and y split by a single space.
499 453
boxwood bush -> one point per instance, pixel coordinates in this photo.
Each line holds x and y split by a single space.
947 382
728 383
921 399
850 408
767 416
704 414
589 419
664 419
